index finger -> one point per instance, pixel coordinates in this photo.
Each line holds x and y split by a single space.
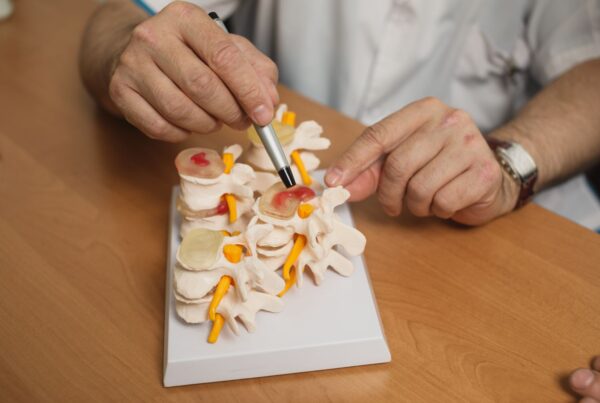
381 139
216 48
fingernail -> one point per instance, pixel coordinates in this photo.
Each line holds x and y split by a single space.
582 378
334 177
261 115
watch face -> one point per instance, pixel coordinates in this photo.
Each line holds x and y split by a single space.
519 164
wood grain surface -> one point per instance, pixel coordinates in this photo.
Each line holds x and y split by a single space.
499 313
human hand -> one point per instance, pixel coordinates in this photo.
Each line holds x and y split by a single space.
181 74
430 158
586 382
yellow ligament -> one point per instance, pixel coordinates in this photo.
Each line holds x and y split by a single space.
289 283
306 179
299 244
216 329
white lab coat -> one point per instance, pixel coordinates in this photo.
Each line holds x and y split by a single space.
369 58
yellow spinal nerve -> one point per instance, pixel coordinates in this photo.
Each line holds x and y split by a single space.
233 253
306 179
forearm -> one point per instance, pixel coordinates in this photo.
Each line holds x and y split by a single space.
560 127
108 32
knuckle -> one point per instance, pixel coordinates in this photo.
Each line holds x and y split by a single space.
144 33
349 159
418 209
207 127
417 190
116 89
394 169
202 83
431 102
237 120
490 171
176 109
443 205
224 55
127 58
460 116
157 129
470 138
272 70
212 126
180 8
388 200
373 136
251 94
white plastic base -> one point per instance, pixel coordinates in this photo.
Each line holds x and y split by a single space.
330 326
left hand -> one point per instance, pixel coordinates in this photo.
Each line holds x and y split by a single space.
430 158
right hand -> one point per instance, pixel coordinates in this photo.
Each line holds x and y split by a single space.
181 74
586 382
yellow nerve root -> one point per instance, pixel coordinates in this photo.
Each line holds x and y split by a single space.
289 118
233 253
305 210
299 244
306 179
220 292
289 283
228 161
216 329
231 206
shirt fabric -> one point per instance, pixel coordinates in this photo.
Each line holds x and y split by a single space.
368 59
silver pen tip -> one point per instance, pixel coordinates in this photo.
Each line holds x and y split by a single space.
287 177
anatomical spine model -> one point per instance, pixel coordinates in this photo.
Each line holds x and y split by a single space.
239 255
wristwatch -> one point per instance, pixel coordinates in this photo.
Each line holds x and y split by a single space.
519 164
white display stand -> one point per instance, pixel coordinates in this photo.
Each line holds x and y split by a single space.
332 325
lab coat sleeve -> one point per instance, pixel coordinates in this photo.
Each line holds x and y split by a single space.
562 34
224 8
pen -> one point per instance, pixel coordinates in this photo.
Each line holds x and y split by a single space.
268 136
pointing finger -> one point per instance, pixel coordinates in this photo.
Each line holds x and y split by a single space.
382 138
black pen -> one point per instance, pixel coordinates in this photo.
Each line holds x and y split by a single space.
268 136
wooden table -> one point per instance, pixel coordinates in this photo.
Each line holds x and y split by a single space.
497 313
